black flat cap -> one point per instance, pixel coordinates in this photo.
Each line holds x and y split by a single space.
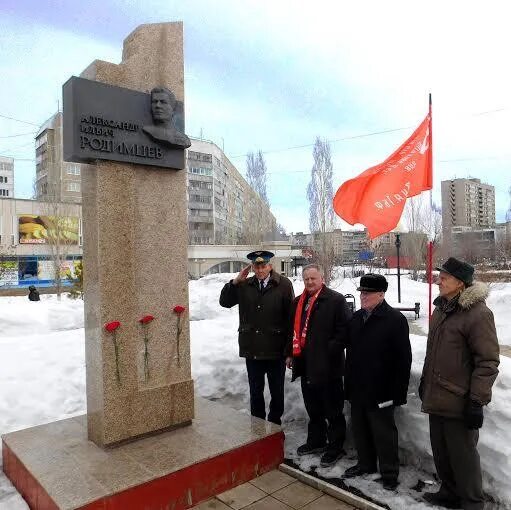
461 270
371 282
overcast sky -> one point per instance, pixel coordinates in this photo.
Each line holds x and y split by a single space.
272 75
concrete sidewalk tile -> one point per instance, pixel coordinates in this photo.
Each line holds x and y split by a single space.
272 481
268 503
211 504
241 496
297 495
327 503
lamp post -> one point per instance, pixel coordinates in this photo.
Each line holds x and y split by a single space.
294 265
398 245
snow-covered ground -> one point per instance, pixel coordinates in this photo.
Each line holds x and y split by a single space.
42 379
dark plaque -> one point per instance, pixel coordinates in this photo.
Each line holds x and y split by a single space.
118 124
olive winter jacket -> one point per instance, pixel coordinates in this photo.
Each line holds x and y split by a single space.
462 354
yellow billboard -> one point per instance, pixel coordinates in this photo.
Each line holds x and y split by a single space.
35 229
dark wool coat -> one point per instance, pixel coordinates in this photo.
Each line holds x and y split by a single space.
264 316
323 358
378 357
462 355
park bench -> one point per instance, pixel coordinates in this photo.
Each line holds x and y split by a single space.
416 309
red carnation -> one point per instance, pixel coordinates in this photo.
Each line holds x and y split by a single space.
146 319
178 309
112 326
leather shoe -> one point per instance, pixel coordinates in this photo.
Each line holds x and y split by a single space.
388 483
437 499
357 470
307 449
330 457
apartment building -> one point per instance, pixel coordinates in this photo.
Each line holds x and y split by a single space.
467 203
6 177
56 179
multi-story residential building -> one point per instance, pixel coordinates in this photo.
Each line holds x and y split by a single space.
473 244
467 203
6 177
301 239
222 207
353 243
56 180
347 245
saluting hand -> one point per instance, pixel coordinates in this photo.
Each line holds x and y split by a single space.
242 275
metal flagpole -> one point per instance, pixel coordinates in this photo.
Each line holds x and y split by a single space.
430 244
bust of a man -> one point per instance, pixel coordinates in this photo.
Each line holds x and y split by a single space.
163 103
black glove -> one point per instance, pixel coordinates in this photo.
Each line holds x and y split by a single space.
473 415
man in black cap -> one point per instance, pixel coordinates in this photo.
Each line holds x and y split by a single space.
378 360
460 368
264 305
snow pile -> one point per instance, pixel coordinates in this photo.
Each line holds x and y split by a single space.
42 378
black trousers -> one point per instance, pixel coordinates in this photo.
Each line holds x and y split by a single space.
324 404
375 436
457 461
274 370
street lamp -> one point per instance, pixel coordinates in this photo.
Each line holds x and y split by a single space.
398 245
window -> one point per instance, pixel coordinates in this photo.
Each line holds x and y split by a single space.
201 170
200 198
5 179
73 186
1 179
73 170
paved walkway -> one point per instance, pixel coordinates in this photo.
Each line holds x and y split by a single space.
275 490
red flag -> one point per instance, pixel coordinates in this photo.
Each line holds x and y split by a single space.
376 197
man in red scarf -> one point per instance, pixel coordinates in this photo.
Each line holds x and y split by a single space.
320 320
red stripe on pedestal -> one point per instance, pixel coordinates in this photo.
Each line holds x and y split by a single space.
31 490
179 490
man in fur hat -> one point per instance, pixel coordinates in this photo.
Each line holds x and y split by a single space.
459 371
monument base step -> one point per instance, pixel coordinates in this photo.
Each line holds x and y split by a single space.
55 467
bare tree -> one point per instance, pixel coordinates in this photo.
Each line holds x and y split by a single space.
256 174
321 214
423 220
60 231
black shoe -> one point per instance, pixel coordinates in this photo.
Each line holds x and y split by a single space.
437 499
331 457
307 449
357 470
388 483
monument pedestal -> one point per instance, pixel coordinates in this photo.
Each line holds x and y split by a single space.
55 466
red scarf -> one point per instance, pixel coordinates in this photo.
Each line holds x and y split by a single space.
299 337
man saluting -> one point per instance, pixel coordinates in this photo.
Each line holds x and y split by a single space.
264 305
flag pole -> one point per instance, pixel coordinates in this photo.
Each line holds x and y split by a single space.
430 244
